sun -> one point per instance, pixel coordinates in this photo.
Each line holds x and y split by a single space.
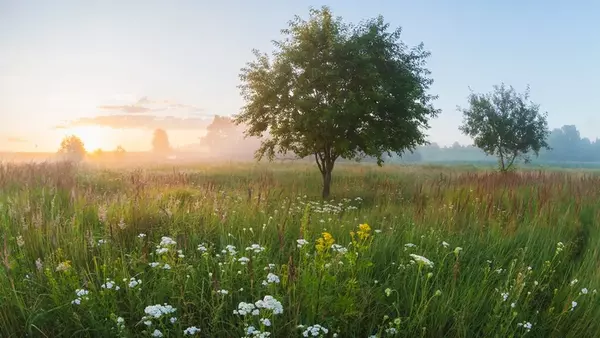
93 137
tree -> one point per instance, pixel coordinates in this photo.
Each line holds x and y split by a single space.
222 130
160 142
72 148
505 124
335 90
119 152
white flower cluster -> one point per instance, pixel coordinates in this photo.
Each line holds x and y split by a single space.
164 245
391 331
251 331
190 331
339 248
422 260
120 323
132 283
244 260
270 303
110 284
314 331
157 312
271 278
301 242
82 294
246 308
202 248
526 325
255 248
230 249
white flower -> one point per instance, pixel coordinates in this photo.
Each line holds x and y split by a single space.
166 241
573 305
141 235
102 241
445 244
301 242
223 292
391 331
133 282
76 301
339 248
148 322
161 251
230 249
422 260
38 264
243 260
255 248
81 292
513 305
201 248
377 231
574 281
270 303
190 331
504 296
120 320
173 320
154 264
158 310
244 309
315 330
167 267
157 333
265 321
388 292
584 291
272 278
410 245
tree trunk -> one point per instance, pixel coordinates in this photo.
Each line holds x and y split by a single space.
326 184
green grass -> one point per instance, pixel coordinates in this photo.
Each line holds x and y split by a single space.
510 253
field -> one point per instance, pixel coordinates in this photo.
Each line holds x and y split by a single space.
251 250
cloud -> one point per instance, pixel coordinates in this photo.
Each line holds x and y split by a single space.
16 140
140 122
142 106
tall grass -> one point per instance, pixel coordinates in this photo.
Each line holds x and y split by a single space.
399 251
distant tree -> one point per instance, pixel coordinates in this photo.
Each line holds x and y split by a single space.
160 142
72 149
222 130
505 124
335 90
120 152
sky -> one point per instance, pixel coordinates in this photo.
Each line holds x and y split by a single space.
112 71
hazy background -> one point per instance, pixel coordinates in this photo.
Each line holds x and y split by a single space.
113 71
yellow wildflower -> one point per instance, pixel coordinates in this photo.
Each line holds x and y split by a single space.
364 231
324 242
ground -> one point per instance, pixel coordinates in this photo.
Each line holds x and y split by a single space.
237 250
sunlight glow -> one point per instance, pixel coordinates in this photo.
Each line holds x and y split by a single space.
93 137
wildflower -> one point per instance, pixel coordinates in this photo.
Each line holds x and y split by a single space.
271 278
391 331
230 249
457 250
265 321
573 305
201 248
388 292
120 320
180 254
167 267
574 281
513 305
63 266
301 242
244 260
244 309
157 333
148 322
81 292
339 248
270 303
167 241
445 244
504 296
559 247
437 293
255 248
190 331
158 310
314 330
527 325
76 301
142 235
378 231
20 241
223 292
133 282
173 320
324 242
584 291
363 231
109 285
38 264
422 260
154 264
397 321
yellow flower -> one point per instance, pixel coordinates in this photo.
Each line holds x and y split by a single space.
324 242
364 231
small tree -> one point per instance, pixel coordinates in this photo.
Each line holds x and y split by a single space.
505 124
334 90
72 149
222 130
160 142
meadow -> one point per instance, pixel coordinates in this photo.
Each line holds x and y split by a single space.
241 250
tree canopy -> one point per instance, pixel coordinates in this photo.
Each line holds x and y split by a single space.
506 124
337 90
72 149
160 142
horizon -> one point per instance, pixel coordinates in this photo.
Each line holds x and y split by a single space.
86 69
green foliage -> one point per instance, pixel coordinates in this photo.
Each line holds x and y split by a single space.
505 124
72 149
336 90
511 255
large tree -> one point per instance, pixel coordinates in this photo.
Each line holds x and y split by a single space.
506 124
336 90
72 149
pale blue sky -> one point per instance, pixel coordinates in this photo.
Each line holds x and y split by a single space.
61 60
